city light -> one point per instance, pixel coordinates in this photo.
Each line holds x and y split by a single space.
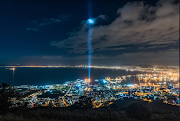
130 85
87 80
104 81
13 69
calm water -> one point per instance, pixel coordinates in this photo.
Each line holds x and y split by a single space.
43 76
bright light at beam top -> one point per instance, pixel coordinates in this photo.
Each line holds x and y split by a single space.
90 21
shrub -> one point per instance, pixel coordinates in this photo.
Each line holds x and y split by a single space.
123 108
6 95
84 102
138 111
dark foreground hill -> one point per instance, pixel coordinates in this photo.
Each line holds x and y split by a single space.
114 112
155 105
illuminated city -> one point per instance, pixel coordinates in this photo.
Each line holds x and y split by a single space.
89 60
160 82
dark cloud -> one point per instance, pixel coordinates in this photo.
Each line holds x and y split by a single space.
137 23
64 17
31 29
49 21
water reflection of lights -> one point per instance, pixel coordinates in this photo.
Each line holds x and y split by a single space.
158 77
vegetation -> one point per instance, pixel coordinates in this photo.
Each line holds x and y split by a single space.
84 102
7 94
138 111
67 114
81 114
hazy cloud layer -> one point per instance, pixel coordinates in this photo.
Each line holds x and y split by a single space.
170 57
173 54
137 23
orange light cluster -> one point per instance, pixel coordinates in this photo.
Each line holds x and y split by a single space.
87 80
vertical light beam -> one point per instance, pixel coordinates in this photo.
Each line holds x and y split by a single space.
90 23
89 50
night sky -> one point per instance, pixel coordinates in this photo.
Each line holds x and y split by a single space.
56 33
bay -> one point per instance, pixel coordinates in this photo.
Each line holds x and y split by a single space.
44 76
